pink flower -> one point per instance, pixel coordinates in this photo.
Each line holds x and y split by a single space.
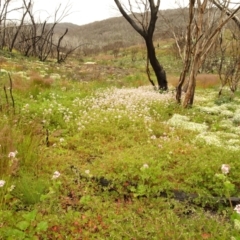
225 168
237 208
2 183
12 154
56 175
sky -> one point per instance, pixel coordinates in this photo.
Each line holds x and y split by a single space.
84 11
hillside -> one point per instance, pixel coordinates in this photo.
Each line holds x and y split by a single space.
100 34
117 29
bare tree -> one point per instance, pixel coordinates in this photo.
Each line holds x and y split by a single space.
176 29
64 52
18 27
5 22
144 23
223 7
203 30
229 67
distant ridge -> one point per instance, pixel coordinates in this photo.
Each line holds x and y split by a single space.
117 29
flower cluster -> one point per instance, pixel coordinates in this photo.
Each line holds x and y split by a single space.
2 183
225 168
145 165
185 123
116 104
56 175
237 208
13 154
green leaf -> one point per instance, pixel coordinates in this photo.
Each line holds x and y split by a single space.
30 216
42 226
15 234
23 225
85 199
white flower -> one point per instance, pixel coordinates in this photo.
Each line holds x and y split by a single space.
61 140
153 137
87 172
11 188
2 183
225 168
145 165
237 224
237 208
56 174
12 154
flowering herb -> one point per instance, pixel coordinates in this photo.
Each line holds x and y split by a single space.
237 208
56 175
2 183
12 154
145 165
225 168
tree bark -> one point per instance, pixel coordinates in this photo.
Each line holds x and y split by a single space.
146 28
228 12
157 67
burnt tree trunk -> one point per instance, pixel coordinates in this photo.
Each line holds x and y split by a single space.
157 67
144 24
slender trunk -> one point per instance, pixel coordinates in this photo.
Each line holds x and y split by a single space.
157 67
189 97
188 57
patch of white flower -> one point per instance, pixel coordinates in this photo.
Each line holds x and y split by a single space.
209 138
227 136
226 123
237 224
236 117
230 127
227 113
229 141
184 122
55 76
114 105
211 110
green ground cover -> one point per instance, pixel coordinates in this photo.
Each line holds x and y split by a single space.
93 152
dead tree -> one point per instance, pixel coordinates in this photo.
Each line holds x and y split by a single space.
5 22
203 32
144 23
64 52
38 40
229 67
18 27
223 6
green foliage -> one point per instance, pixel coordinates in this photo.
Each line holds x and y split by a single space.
124 155
29 189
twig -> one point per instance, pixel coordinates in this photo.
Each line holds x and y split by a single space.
10 90
6 96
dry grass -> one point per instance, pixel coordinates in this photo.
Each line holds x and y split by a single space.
19 83
208 80
37 79
203 80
